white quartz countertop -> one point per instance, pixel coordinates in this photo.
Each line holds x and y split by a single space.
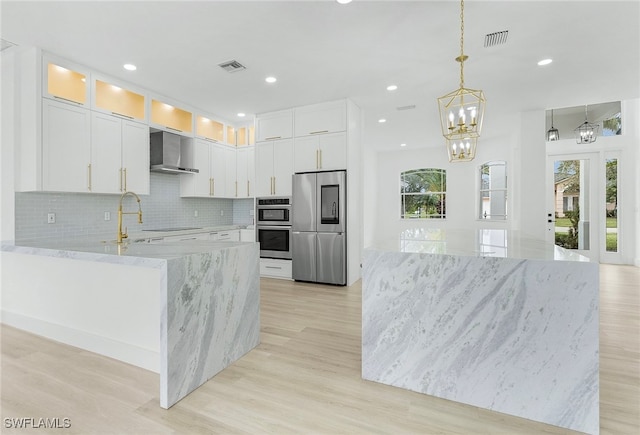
475 243
137 234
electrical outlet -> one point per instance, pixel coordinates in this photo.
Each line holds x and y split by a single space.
107 215
51 218
195 213
221 212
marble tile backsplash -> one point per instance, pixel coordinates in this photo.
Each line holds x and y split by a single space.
83 214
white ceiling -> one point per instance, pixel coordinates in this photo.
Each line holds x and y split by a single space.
321 50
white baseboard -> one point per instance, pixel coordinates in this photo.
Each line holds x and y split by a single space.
127 353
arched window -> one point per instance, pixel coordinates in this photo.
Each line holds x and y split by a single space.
493 191
423 194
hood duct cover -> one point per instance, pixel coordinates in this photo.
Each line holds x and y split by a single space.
167 154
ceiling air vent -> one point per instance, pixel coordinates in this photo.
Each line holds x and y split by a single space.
232 66
495 38
413 106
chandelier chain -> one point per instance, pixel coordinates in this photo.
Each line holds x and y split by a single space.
462 43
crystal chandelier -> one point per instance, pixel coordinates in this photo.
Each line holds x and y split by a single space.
586 132
461 112
553 133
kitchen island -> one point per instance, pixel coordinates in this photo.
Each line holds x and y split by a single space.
487 318
184 309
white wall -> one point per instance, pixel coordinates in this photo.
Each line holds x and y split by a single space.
524 150
7 112
462 187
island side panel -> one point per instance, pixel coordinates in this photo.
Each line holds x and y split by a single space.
211 317
510 335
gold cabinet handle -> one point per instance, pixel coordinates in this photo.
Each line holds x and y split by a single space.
272 138
89 176
319 132
120 173
274 185
248 188
125 179
213 187
317 160
210 186
236 188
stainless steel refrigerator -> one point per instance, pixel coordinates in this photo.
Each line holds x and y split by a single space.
319 238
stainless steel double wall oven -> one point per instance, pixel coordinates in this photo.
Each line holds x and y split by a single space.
273 227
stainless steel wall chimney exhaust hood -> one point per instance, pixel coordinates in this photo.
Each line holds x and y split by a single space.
167 155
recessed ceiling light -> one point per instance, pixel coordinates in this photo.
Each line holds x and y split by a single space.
403 144
241 115
381 120
392 87
129 67
343 2
270 80
545 62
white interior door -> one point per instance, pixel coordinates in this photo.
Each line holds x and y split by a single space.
573 216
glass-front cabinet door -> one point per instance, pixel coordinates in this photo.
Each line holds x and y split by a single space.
66 82
117 100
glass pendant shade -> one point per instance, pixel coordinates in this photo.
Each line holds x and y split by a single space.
586 132
553 134
462 150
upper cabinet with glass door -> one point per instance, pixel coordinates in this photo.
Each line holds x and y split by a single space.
65 81
245 136
209 129
114 99
171 118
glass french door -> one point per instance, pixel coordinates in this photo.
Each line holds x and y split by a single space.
573 217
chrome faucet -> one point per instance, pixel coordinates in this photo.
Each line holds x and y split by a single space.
124 235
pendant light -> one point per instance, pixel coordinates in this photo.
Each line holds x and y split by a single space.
461 112
586 132
553 133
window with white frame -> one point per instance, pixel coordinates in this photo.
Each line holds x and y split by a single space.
423 194
493 190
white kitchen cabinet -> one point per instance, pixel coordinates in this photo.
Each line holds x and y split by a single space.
216 178
231 183
320 152
198 184
274 125
229 235
119 155
245 172
274 168
219 171
321 118
66 147
274 268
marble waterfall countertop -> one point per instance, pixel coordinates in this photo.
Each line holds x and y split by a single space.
208 293
476 243
487 318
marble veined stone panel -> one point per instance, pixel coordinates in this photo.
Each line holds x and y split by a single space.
210 317
511 335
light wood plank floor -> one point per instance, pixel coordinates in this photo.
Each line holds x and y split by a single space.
303 378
